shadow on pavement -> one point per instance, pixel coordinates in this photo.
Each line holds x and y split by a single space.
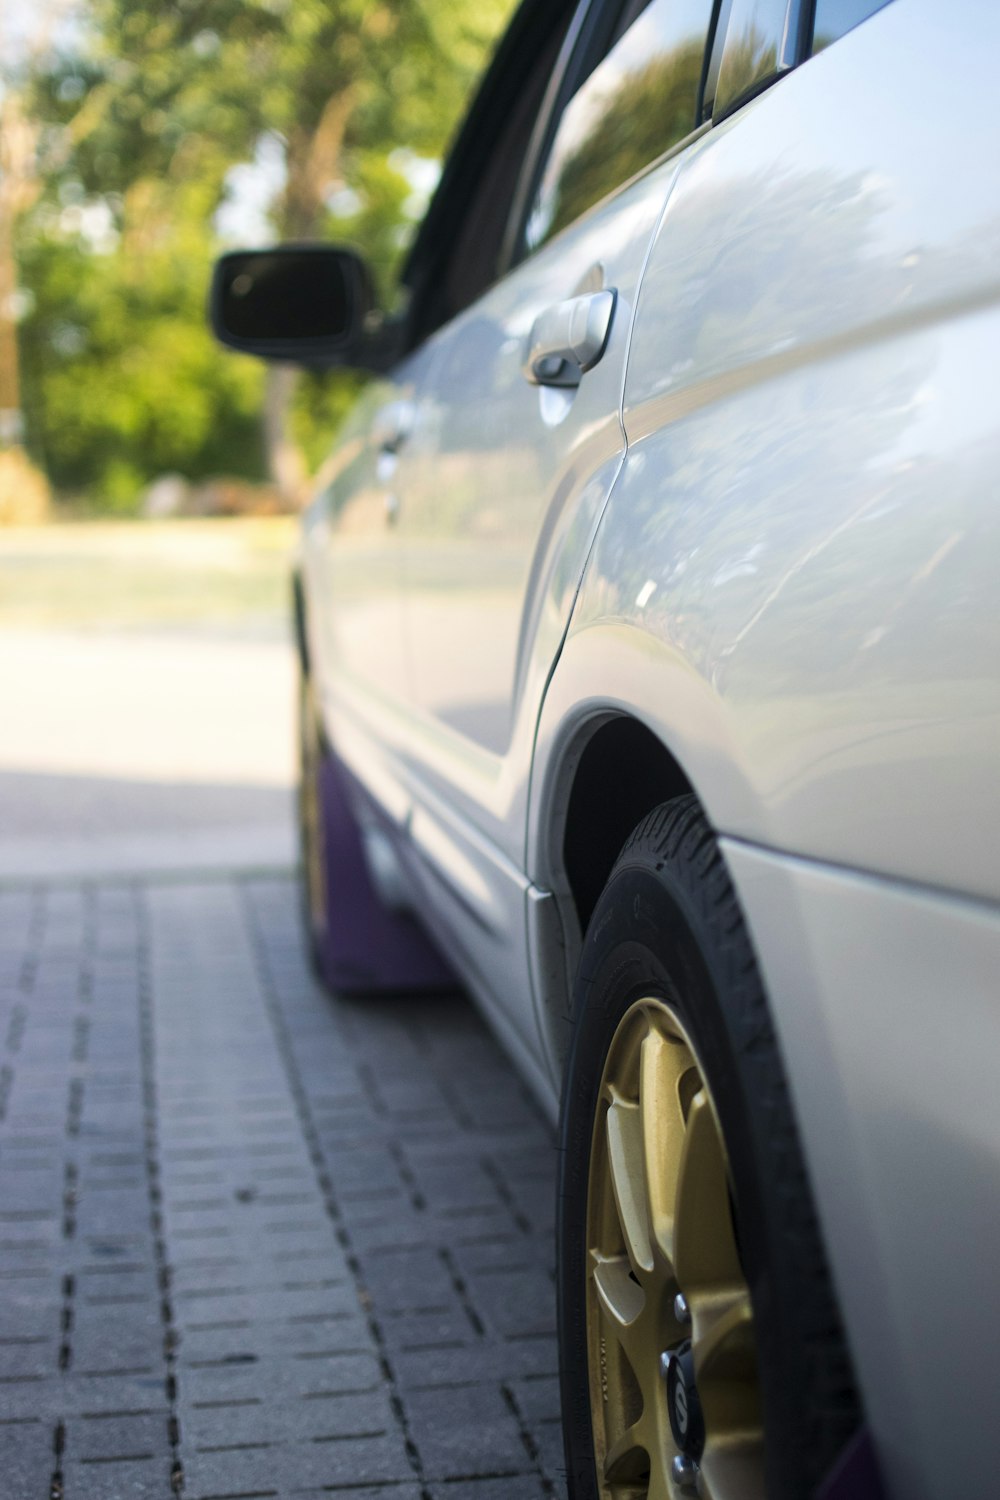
63 826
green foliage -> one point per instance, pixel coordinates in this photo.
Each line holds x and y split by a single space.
144 115
319 406
122 378
380 224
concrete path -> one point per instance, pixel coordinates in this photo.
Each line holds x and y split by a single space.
142 751
147 692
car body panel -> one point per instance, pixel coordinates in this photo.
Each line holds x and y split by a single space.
885 1003
351 560
501 488
825 677
807 512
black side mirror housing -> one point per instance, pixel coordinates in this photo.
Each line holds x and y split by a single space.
311 305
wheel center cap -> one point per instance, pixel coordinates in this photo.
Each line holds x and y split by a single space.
683 1404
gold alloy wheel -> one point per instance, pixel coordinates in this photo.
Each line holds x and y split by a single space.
671 1351
311 812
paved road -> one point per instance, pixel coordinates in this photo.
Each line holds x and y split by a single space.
253 1242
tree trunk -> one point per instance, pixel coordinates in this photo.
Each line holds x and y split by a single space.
312 158
11 421
17 191
285 461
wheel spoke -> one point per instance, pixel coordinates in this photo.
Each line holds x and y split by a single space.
660 1487
662 1134
627 1160
725 1363
733 1465
621 1299
660 1222
703 1240
723 1336
628 1458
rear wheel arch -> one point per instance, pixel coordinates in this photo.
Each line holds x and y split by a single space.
611 772
614 773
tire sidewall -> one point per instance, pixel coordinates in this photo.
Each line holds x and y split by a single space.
311 753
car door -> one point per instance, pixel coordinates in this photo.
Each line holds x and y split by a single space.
352 554
504 460
514 444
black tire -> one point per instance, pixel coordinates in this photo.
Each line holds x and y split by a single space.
312 863
668 925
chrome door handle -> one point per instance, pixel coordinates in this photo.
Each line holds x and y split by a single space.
568 339
392 426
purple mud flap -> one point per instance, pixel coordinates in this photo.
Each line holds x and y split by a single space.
366 947
855 1475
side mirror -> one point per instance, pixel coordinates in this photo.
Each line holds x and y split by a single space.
300 304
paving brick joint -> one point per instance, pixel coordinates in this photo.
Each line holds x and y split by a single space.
255 1242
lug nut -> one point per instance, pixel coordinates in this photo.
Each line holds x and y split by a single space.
665 1359
681 1310
685 1472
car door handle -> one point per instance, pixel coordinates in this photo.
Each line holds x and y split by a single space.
392 426
568 339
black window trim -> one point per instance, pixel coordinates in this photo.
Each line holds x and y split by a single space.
591 25
795 40
430 249
810 34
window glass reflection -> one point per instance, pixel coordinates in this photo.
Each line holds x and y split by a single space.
834 17
637 103
755 40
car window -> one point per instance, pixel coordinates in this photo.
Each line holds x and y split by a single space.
640 100
754 43
834 17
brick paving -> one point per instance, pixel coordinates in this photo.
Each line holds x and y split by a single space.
255 1242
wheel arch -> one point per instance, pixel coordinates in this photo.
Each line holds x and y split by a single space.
627 722
299 621
611 768
620 771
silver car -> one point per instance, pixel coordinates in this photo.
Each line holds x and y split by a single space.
651 686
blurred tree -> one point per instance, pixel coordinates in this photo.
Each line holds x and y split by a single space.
123 379
121 376
18 189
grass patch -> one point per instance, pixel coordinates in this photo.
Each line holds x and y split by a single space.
146 574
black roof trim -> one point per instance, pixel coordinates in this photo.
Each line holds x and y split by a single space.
534 23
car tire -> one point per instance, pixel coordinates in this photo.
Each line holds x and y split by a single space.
357 944
681 1174
312 847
